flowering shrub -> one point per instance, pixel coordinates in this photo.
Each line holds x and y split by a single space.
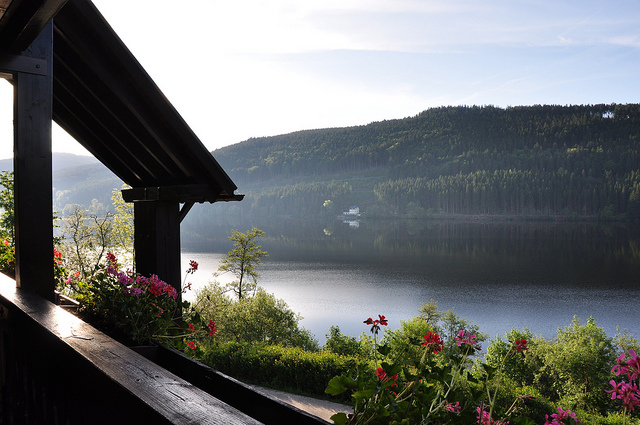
7 257
138 309
627 392
441 389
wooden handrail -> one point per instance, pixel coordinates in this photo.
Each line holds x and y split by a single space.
56 364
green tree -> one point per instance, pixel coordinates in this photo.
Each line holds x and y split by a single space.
6 205
243 260
577 366
122 228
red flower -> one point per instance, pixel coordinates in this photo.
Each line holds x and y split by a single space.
192 345
212 327
382 375
193 266
375 324
191 327
520 345
433 341
111 258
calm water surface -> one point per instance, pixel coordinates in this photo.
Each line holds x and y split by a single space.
499 276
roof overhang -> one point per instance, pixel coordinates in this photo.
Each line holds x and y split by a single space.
105 99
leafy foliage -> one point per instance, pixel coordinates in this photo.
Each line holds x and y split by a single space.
7 218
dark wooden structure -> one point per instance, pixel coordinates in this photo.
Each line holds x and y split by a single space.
67 64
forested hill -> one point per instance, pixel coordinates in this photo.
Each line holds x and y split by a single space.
549 160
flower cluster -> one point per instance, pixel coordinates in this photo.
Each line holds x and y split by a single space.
484 418
560 417
466 341
136 309
627 392
433 342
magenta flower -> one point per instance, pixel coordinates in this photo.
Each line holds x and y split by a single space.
557 418
628 393
485 419
630 368
466 340
455 408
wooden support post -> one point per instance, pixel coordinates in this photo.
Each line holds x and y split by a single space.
157 240
32 171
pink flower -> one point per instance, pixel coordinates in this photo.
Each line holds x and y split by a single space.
630 368
628 393
455 408
557 418
464 338
484 418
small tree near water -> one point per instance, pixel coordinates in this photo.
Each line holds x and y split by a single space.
242 261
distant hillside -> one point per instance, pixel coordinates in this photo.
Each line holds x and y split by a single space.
538 160
77 179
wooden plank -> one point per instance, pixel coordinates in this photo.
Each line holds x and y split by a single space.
172 397
33 172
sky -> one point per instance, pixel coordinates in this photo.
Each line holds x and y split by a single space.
250 68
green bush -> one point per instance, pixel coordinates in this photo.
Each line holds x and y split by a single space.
338 343
291 369
576 366
262 318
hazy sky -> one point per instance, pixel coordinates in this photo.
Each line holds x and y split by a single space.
249 68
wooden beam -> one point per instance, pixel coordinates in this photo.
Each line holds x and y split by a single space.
32 172
10 64
180 193
157 241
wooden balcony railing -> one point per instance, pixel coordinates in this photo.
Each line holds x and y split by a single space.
57 369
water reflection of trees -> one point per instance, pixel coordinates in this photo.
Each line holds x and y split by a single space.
525 241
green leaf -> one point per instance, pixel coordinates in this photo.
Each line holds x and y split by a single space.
339 384
339 418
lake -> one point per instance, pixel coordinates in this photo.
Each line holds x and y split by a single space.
497 275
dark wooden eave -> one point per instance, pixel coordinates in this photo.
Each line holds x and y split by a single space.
22 20
105 99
